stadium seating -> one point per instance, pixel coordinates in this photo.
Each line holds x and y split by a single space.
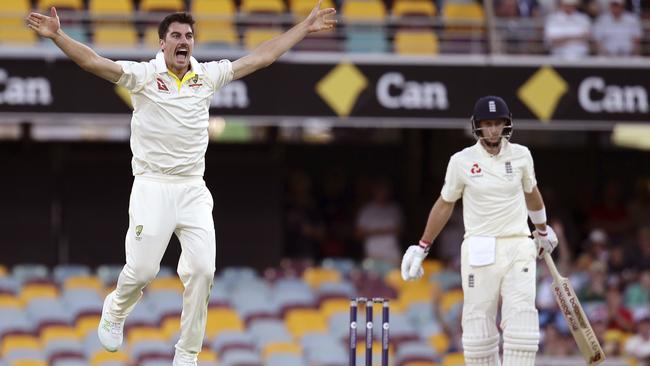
254 36
44 5
162 5
117 8
114 36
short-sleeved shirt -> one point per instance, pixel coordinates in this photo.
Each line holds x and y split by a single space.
560 25
617 36
492 189
169 127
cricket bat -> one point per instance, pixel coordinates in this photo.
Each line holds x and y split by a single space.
575 317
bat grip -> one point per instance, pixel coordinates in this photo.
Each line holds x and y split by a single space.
551 266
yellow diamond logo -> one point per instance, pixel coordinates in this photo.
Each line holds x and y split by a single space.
542 92
341 87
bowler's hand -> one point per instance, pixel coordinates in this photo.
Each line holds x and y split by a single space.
412 263
320 19
43 25
545 241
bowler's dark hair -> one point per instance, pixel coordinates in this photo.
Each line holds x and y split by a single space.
183 18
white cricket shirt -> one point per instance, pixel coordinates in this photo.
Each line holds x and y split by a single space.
492 188
169 127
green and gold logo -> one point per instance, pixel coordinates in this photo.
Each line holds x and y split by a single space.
341 88
138 230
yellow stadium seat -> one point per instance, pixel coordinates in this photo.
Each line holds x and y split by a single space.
450 298
37 291
432 266
86 324
414 8
20 362
454 14
112 36
144 333
416 42
280 347
394 279
214 33
315 276
10 301
84 282
60 4
16 6
440 343
171 325
214 21
151 38
302 321
254 36
412 295
453 359
364 10
420 363
330 307
262 6
101 356
301 8
55 332
19 341
111 7
207 355
18 35
166 283
162 5
221 319
213 9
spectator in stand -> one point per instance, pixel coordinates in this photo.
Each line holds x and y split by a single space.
305 228
637 295
556 343
638 345
639 205
595 290
618 32
620 317
379 224
596 245
567 31
642 252
611 213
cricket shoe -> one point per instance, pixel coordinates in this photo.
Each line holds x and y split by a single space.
110 330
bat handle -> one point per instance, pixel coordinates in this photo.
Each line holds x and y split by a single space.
551 265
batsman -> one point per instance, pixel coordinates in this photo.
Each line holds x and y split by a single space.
496 180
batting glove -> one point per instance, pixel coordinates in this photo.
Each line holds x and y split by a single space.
546 241
412 262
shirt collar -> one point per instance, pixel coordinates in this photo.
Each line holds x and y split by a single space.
161 66
505 149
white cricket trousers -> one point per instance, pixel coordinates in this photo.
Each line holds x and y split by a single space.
511 278
159 207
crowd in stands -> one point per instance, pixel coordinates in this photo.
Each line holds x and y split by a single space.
566 28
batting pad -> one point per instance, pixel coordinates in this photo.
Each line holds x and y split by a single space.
521 338
480 341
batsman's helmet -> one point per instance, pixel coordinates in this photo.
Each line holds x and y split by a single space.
491 108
